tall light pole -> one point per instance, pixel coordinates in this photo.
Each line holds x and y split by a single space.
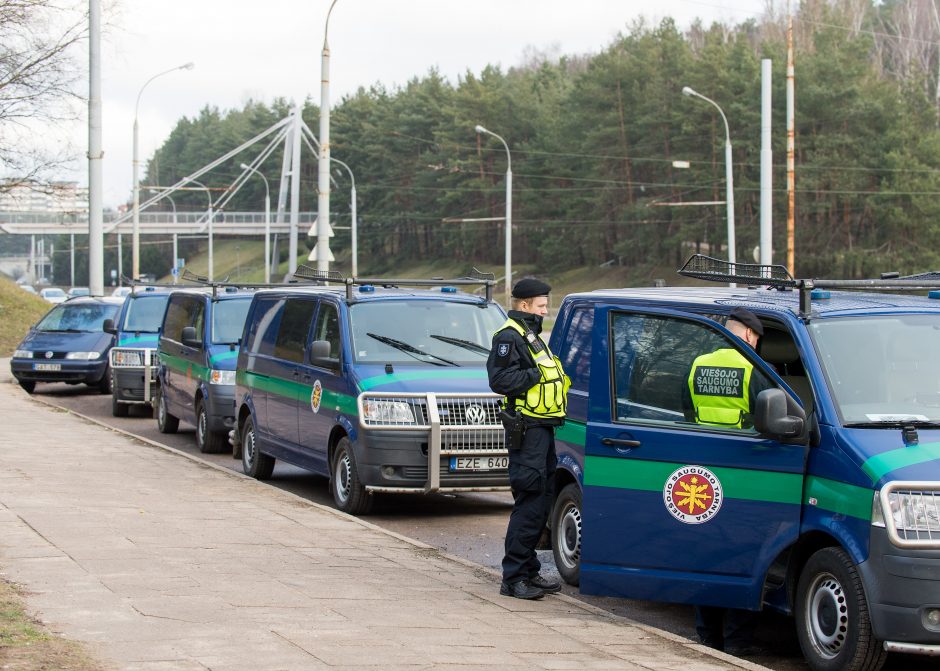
267 223
323 167
729 179
176 249
135 263
481 129
209 274
95 154
352 209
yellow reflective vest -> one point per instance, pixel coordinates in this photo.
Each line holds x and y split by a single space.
549 396
720 383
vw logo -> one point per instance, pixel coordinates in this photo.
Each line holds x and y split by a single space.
48 355
476 415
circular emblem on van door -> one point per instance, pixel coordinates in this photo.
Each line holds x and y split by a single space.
316 395
693 494
476 415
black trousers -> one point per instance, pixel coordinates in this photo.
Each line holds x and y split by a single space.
532 477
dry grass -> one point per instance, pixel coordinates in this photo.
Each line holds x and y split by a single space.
18 311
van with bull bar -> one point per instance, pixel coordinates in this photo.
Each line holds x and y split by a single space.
824 504
378 384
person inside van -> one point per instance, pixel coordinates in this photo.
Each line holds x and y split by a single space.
721 392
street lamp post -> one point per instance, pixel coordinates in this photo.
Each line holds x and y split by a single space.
267 223
175 240
136 243
729 179
209 274
508 269
353 226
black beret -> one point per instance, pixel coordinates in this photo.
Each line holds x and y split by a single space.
749 319
530 288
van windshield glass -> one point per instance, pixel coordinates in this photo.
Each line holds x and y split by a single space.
228 320
78 317
882 370
145 313
423 332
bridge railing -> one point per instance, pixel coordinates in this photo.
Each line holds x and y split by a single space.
46 218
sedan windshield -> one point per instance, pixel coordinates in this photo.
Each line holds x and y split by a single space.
883 370
228 320
427 332
145 313
77 317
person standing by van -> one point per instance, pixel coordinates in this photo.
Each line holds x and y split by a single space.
521 368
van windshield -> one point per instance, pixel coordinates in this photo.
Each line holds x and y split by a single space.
882 370
145 313
423 332
228 320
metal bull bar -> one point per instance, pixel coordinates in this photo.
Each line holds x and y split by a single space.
457 425
148 359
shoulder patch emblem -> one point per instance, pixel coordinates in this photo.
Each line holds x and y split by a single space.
693 494
503 349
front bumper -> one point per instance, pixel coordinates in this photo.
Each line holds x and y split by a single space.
70 371
130 383
220 407
902 586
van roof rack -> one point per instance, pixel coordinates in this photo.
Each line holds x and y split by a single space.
711 269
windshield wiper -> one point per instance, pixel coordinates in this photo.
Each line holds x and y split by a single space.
408 349
466 344
64 331
895 424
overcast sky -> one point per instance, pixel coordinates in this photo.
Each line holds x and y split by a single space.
263 49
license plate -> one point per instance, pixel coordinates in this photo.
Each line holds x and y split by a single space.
47 366
478 463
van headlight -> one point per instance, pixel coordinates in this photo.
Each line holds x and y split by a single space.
22 354
83 356
910 511
221 376
124 357
387 412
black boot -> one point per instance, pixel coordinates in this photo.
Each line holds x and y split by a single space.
521 590
547 586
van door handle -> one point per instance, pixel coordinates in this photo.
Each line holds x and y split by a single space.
296 373
620 442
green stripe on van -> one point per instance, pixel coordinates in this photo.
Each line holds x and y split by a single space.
839 497
878 466
573 432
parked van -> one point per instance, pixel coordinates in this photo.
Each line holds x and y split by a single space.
197 349
133 358
826 506
381 388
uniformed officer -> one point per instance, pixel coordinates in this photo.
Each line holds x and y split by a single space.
722 388
522 368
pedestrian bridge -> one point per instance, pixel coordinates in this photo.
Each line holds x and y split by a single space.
151 223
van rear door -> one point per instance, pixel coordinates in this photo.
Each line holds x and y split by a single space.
674 510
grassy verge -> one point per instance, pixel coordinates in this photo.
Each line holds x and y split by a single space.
18 311
25 645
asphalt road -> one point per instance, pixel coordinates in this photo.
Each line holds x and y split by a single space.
469 525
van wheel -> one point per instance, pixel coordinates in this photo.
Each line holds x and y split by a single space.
254 463
118 409
207 441
566 533
832 620
104 386
29 386
348 493
166 422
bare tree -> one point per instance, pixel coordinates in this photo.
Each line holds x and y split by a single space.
38 77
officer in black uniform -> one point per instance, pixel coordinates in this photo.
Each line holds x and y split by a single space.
521 367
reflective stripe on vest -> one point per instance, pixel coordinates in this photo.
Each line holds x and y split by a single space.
719 383
549 396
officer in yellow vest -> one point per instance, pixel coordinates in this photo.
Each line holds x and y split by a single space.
522 369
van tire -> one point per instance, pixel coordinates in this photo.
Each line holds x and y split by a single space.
566 533
166 423
254 463
208 442
832 620
118 409
29 386
349 494
104 385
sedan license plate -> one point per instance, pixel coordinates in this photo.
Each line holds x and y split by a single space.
47 366
478 463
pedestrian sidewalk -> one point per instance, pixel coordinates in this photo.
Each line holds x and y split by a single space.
160 561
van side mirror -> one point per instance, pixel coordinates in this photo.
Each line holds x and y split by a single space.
108 326
189 337
320 355
777 415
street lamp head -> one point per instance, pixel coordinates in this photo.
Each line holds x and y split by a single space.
244 166
480 129
687 91
188 66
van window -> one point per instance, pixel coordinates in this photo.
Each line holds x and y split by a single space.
327 328
228 319
292 334
261 334
576 357
182 311
652 358
145 313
